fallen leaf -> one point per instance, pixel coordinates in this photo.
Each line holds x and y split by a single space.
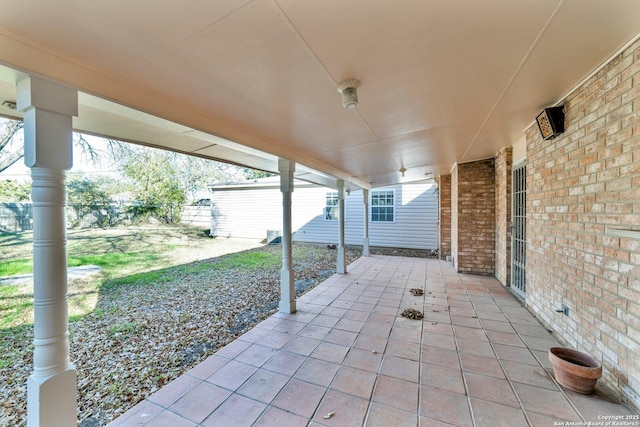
174 325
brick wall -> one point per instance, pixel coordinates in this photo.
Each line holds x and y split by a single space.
473 217
503 215
444 207
580 187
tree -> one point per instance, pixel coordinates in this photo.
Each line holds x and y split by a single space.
196 174
253 174
193 174
12 191
156 186
88 196
163 180
11 145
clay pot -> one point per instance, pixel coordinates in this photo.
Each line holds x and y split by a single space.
574 370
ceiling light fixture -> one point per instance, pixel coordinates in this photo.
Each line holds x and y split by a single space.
402 170
349 93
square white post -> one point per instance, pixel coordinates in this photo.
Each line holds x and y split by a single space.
287 289
365 240
341 266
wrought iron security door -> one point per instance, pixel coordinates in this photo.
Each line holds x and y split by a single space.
519 231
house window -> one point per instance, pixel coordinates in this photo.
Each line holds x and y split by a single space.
383 206
331 206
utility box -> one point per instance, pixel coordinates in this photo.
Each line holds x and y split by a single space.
274 237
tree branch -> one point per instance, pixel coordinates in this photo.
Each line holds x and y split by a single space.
6 162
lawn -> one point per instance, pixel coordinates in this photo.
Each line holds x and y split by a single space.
125 255
166 298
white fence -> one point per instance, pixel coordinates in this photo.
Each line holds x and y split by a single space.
197 215
16 217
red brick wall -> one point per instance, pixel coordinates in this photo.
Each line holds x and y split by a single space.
503 215
580 186
473 217
444 207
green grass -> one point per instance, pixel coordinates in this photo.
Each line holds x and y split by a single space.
124 330
12 305
16 301
247 261
76 317
7 291
128 256
149 278
17 266
111 262
15 312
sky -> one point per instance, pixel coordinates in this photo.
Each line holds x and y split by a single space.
81 163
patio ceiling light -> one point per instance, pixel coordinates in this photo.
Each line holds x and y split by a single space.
349 93
402 170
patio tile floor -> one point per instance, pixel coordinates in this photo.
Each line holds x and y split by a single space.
347 357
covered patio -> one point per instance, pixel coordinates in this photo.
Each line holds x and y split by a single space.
455 93
347 357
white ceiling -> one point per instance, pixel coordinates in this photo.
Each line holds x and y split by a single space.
442 81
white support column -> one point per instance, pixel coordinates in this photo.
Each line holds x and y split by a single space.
341 267
48 110
287 290
365 241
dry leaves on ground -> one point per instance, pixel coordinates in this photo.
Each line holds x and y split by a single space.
141 336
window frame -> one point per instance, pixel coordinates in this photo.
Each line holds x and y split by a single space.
328 207
376 194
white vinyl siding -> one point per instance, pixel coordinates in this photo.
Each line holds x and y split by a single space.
246 213
415 225
416 219
249 211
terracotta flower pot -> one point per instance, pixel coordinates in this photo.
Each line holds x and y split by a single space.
575 370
